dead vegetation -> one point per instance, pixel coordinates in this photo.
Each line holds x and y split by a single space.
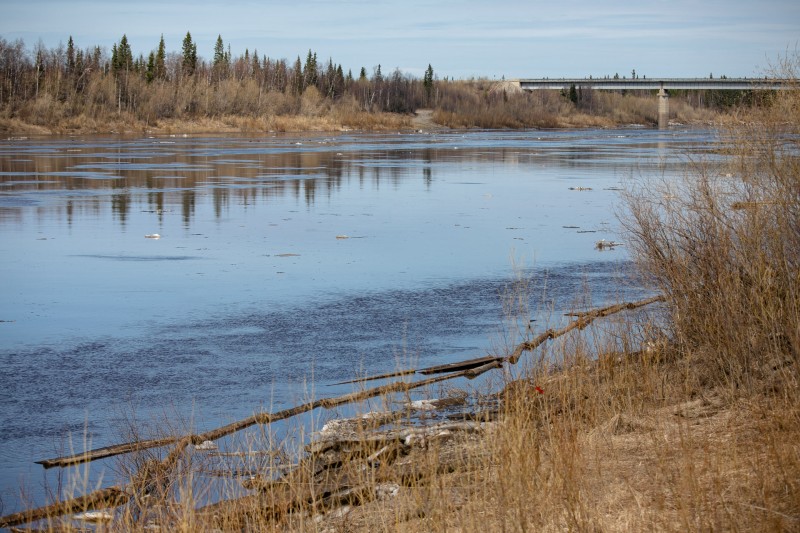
484 104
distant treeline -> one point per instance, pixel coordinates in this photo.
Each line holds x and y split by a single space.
172 84
73 88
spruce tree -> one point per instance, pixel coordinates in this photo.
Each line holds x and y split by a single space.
339 80
220 62
160 68
114 57
298 84
79 65
124 55
427 81
310 70
219 52
70 66
573 94
140 65
330 79
256 68
150 75
189 55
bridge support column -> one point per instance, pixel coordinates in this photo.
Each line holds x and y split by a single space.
663 109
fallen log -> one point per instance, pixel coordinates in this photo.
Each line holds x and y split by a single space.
260 418
101 499
494 362
461 365
108 451
438 369
480 365
379 376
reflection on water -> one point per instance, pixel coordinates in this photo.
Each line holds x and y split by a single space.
153 173
283 262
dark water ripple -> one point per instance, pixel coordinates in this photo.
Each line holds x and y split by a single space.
232 362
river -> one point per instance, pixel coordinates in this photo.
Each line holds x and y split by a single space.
201 278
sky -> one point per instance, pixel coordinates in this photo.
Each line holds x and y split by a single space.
461 39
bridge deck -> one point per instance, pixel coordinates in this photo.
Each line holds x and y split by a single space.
646 84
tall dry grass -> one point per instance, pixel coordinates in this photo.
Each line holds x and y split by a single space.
724 245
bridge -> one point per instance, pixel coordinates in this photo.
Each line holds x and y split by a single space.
662 85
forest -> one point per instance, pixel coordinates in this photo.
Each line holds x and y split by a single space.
69 89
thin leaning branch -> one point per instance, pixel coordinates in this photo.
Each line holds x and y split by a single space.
584 319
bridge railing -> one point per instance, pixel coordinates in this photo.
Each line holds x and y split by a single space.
739 84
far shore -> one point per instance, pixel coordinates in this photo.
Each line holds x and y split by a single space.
422 121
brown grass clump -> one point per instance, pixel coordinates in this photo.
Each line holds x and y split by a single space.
724 246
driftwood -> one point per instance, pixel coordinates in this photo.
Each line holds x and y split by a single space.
101 499
396 374
473 373
154 475
462 365
348 472
387 437
108 451
438 369
260 418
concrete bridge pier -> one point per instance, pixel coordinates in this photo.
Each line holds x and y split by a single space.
663 109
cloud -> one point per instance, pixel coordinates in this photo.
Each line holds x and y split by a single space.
474 36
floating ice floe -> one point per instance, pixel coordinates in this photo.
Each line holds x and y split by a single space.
423 405
458 398
94 516
337 427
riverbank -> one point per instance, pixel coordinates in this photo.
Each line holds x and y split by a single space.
569 454
462 106
227 124
423 121
623 442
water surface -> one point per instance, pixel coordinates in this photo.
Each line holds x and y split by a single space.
283 264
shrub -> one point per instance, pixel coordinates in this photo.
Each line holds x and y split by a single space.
724 246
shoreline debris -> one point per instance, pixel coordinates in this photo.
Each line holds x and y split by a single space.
394 444
603 244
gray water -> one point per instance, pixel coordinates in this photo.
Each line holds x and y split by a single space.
252 296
